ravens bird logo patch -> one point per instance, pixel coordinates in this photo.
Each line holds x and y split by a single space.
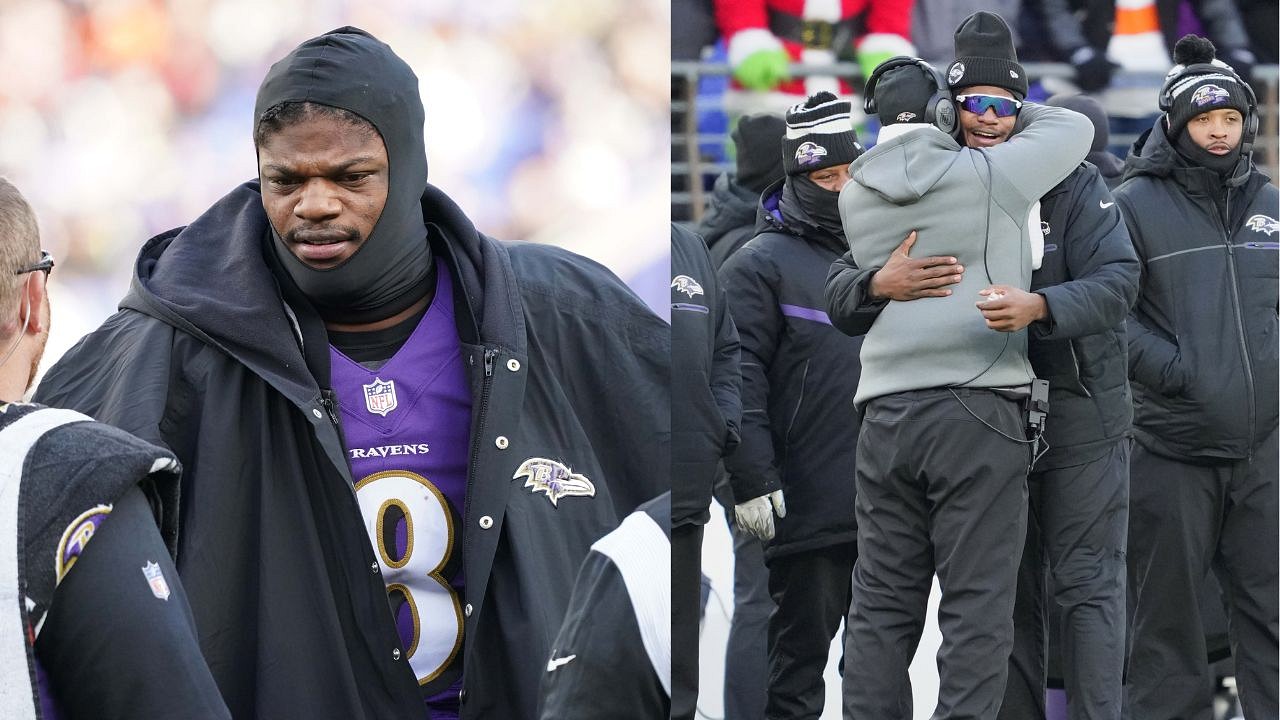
1263 224
553 478
686 285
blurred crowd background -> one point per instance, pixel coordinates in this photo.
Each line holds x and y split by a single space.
546 120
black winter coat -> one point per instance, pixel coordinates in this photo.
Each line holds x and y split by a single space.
706 407
1089 279
1202 338
206 358
799 375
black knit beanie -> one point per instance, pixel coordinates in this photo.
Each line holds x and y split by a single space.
819 134
902 95
985 56
756 138
1197 91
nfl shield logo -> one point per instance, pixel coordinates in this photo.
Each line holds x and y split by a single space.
155 579
380 396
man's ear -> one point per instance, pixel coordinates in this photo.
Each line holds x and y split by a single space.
33 297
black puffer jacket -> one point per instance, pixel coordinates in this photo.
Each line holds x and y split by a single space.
1202 338
1089 279
799 374
730 220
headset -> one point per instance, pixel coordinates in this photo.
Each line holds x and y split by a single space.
1250 129
939 111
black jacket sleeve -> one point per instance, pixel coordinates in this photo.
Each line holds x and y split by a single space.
749 280
598 666
1154 361
116 645
849 304
726 371
1102 264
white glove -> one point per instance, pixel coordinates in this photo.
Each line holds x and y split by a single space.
755 516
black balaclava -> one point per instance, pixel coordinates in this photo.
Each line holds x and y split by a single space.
821 206
1224 165
350 69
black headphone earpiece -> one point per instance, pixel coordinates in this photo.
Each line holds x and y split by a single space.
1250 130
940 110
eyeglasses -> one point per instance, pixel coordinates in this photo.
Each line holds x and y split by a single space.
978 104
44 264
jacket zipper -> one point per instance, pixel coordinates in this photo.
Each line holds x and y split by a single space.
1235 306
786 440
1075 362
329 400
489 355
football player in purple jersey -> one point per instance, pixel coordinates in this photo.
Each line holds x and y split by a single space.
377 405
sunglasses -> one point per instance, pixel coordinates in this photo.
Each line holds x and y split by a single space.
44 265
978 104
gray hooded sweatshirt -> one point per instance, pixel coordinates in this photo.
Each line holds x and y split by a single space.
972 204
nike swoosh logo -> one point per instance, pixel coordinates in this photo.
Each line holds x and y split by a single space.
1104 206
557 662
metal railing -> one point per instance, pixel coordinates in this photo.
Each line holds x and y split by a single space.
692 171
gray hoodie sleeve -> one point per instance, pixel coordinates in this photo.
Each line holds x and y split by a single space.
1051 143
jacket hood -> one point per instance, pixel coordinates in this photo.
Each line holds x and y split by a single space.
1108 165
1152 154
903 169
731 206
213 279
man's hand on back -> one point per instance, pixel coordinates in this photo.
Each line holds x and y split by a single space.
906 278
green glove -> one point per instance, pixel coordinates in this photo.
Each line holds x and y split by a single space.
869 61
763 69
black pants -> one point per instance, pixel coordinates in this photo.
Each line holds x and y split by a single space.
686 596
1185 520
937 492
746 661
1076 535
811 590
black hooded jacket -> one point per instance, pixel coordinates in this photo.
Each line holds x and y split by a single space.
207 359
730 220
1202 337
799 374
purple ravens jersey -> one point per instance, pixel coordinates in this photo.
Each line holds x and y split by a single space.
406 427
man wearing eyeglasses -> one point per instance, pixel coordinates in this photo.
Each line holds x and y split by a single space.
1079 489
93 620
1074 318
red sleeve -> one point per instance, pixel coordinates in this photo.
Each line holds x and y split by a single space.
887 16
735 15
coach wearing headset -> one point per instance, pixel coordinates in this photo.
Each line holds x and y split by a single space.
1074 318
1202 358
942 484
